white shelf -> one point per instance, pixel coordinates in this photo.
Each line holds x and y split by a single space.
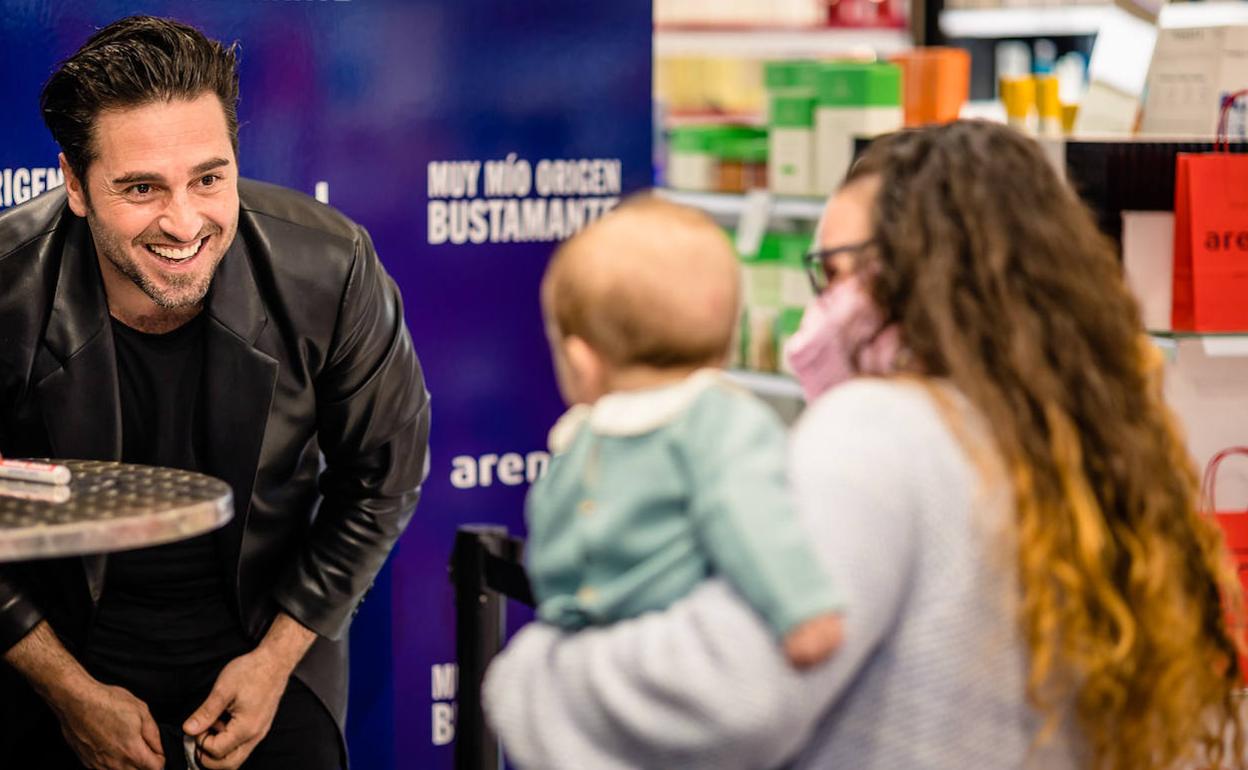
1022 22
1213 345
730 206
988 109
775 386
1208 14
766 43
1077 19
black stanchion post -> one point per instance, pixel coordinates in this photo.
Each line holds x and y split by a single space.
479 613
486 568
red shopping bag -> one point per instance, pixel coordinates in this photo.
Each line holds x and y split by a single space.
1234 523
1211 238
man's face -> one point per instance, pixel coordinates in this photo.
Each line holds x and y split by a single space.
163 203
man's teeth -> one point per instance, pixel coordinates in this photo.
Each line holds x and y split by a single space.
177 254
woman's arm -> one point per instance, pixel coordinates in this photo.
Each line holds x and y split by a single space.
703 684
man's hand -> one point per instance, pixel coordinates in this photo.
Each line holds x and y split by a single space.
239 711
110 729
107 727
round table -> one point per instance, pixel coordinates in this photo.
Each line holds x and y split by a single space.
108 506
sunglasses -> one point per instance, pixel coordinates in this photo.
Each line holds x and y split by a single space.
823 266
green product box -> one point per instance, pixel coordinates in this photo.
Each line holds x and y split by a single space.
791 75
705 139
694 154
751 149
761 276
787 324
855 84
793 112
795 288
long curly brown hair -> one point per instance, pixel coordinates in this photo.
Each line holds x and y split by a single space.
1001 282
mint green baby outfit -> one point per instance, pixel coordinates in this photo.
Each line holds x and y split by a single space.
650 492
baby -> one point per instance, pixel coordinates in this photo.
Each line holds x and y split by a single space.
663 472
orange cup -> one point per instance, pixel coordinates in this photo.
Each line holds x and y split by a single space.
935 83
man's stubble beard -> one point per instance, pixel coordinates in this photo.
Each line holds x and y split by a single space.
169 297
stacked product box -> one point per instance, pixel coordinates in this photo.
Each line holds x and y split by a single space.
774 291
853 100
817 110
717 158
791 129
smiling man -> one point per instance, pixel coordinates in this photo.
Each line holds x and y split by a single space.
160 227
161 310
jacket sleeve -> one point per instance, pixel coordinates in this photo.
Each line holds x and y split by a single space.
18 615
373 428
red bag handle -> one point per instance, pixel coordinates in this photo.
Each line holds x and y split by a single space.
1222 141
1208 484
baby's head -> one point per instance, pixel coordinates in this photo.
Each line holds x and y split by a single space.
645 295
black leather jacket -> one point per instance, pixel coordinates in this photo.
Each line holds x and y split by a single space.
306 356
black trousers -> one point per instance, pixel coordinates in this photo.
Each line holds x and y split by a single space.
303 736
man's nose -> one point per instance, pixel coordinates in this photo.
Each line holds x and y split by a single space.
181 220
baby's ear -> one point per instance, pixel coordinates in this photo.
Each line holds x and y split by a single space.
588 368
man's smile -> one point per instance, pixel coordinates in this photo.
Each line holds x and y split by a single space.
175 255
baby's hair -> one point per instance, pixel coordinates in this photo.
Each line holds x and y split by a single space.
652 283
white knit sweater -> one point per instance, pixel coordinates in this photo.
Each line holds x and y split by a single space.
919 537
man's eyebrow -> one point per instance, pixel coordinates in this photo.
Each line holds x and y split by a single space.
138 176
135 177
209 165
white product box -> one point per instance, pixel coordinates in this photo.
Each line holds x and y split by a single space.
791 161
1192 70
1148 263
835 131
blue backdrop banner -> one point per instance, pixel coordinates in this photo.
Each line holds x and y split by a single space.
469 138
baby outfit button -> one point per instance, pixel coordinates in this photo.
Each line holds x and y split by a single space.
586 507
586 595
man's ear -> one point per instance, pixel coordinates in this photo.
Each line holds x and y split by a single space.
74 188
589 370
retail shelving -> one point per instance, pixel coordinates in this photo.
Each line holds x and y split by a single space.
783 386
1009 22
780 391
1204 14
783 389
1224 345
765 384
1076 19
679 119
732 206
788 43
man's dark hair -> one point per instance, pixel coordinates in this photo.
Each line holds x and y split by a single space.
131 62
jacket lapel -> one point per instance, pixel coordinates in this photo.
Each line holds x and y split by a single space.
75 373
239 381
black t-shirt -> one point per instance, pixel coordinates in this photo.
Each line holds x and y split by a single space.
164 606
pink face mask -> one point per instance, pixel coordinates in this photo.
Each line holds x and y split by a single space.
835 325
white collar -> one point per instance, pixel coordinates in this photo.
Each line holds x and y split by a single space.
634 412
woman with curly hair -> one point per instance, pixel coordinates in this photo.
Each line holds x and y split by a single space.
998 488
